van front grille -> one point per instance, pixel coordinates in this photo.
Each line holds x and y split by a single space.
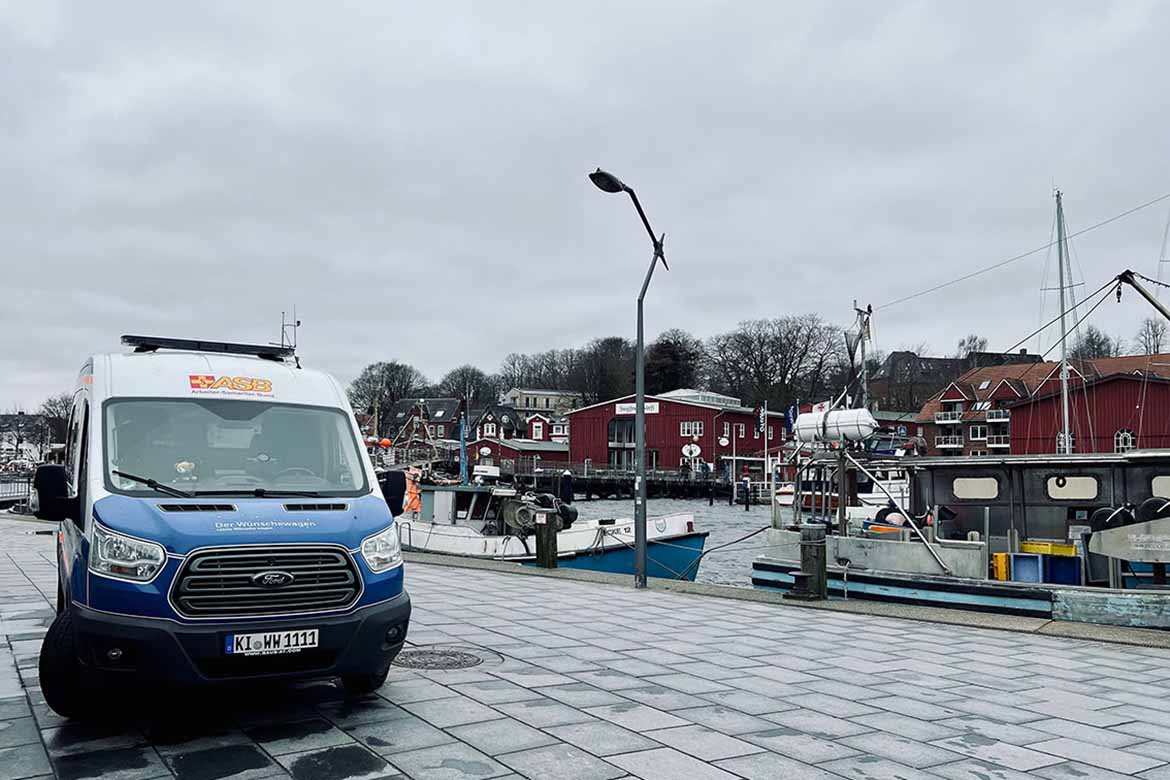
197 507
224 582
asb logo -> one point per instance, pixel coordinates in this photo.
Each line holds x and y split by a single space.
239 384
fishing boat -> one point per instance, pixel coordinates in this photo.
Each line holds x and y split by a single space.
497 521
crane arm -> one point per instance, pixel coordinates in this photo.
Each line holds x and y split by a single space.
1129 277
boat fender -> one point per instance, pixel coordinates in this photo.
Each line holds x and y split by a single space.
1153 509
1108 517
567 512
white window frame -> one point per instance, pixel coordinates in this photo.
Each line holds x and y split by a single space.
971 435
489 429
558 430
430 430
740 430
1124 440
441 430
726 428
770 433
538 430
690 428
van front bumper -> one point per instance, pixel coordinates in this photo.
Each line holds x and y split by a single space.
117 646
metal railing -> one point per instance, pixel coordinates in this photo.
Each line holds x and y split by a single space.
999 440
948 417
15 485
999 415
948 441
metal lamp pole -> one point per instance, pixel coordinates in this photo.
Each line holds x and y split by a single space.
607 182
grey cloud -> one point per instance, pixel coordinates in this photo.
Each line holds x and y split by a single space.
413 176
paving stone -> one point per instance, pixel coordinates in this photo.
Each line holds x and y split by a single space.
451 712
748 702
83 737
1159 750
900 749
560 762
800 746
543 713
702 742
501 736
724 719
668 764
1072 770
448 762
992 729
636 716
1004 753
817 723
135 763
1096 755
345 762
974 769
661 698
398 735
23 761
299 736
1083 733
580 695
413 689
369 710
874 768
601 737
495 691
18 731
912 707
769 766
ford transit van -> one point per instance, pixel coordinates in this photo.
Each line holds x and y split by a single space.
219 522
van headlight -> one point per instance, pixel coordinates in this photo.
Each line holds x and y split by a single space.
382 550
122 556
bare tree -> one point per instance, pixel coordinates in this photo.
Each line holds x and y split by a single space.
1151 337
55 410
1092 342
972 342
383 384
468 381
674 360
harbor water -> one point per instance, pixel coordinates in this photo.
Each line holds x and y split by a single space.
729 566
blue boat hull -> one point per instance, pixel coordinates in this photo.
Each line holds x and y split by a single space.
675 558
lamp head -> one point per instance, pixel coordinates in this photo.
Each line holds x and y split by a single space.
606 181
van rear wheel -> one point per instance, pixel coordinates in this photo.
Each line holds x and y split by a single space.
362 684
60 671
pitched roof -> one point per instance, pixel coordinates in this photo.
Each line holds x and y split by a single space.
525 445
434 409
1028 379
505 415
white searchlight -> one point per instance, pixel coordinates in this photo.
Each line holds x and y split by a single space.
841 425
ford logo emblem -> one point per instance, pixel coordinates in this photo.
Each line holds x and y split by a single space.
272 579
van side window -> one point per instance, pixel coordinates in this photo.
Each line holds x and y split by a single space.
72 442
82 483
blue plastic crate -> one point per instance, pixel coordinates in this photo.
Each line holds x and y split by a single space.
1062 569
1027 567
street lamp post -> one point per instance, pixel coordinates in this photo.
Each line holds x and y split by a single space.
607 182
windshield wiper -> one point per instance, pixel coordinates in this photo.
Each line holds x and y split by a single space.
259 493
154 485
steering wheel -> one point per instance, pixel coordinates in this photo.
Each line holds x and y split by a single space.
294 470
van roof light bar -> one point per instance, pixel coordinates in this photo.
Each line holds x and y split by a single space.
154 343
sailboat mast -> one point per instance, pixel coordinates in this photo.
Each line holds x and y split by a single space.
1061 250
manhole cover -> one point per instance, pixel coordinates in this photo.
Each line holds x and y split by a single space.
436 658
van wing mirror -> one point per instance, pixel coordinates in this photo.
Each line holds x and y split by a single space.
52 487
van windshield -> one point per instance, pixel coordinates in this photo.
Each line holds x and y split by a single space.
228 446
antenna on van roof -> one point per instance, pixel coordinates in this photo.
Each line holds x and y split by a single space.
287 341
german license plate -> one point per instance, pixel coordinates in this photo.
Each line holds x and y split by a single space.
270 642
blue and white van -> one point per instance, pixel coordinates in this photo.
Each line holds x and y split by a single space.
219 521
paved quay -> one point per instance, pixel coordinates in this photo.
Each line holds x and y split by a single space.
589 681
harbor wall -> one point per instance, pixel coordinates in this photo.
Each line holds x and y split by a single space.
965 559
1136 609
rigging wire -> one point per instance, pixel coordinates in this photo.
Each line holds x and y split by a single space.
1022 255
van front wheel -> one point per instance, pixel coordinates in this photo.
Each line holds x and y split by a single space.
60 672
362 684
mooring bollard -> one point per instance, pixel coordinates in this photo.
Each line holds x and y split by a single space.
546 539
747 494
811 583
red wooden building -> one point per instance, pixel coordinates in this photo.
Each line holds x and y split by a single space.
1115 405
496 451
603 433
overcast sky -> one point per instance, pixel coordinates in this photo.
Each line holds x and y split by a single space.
412 175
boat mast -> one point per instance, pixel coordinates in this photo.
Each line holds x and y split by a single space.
1061 250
